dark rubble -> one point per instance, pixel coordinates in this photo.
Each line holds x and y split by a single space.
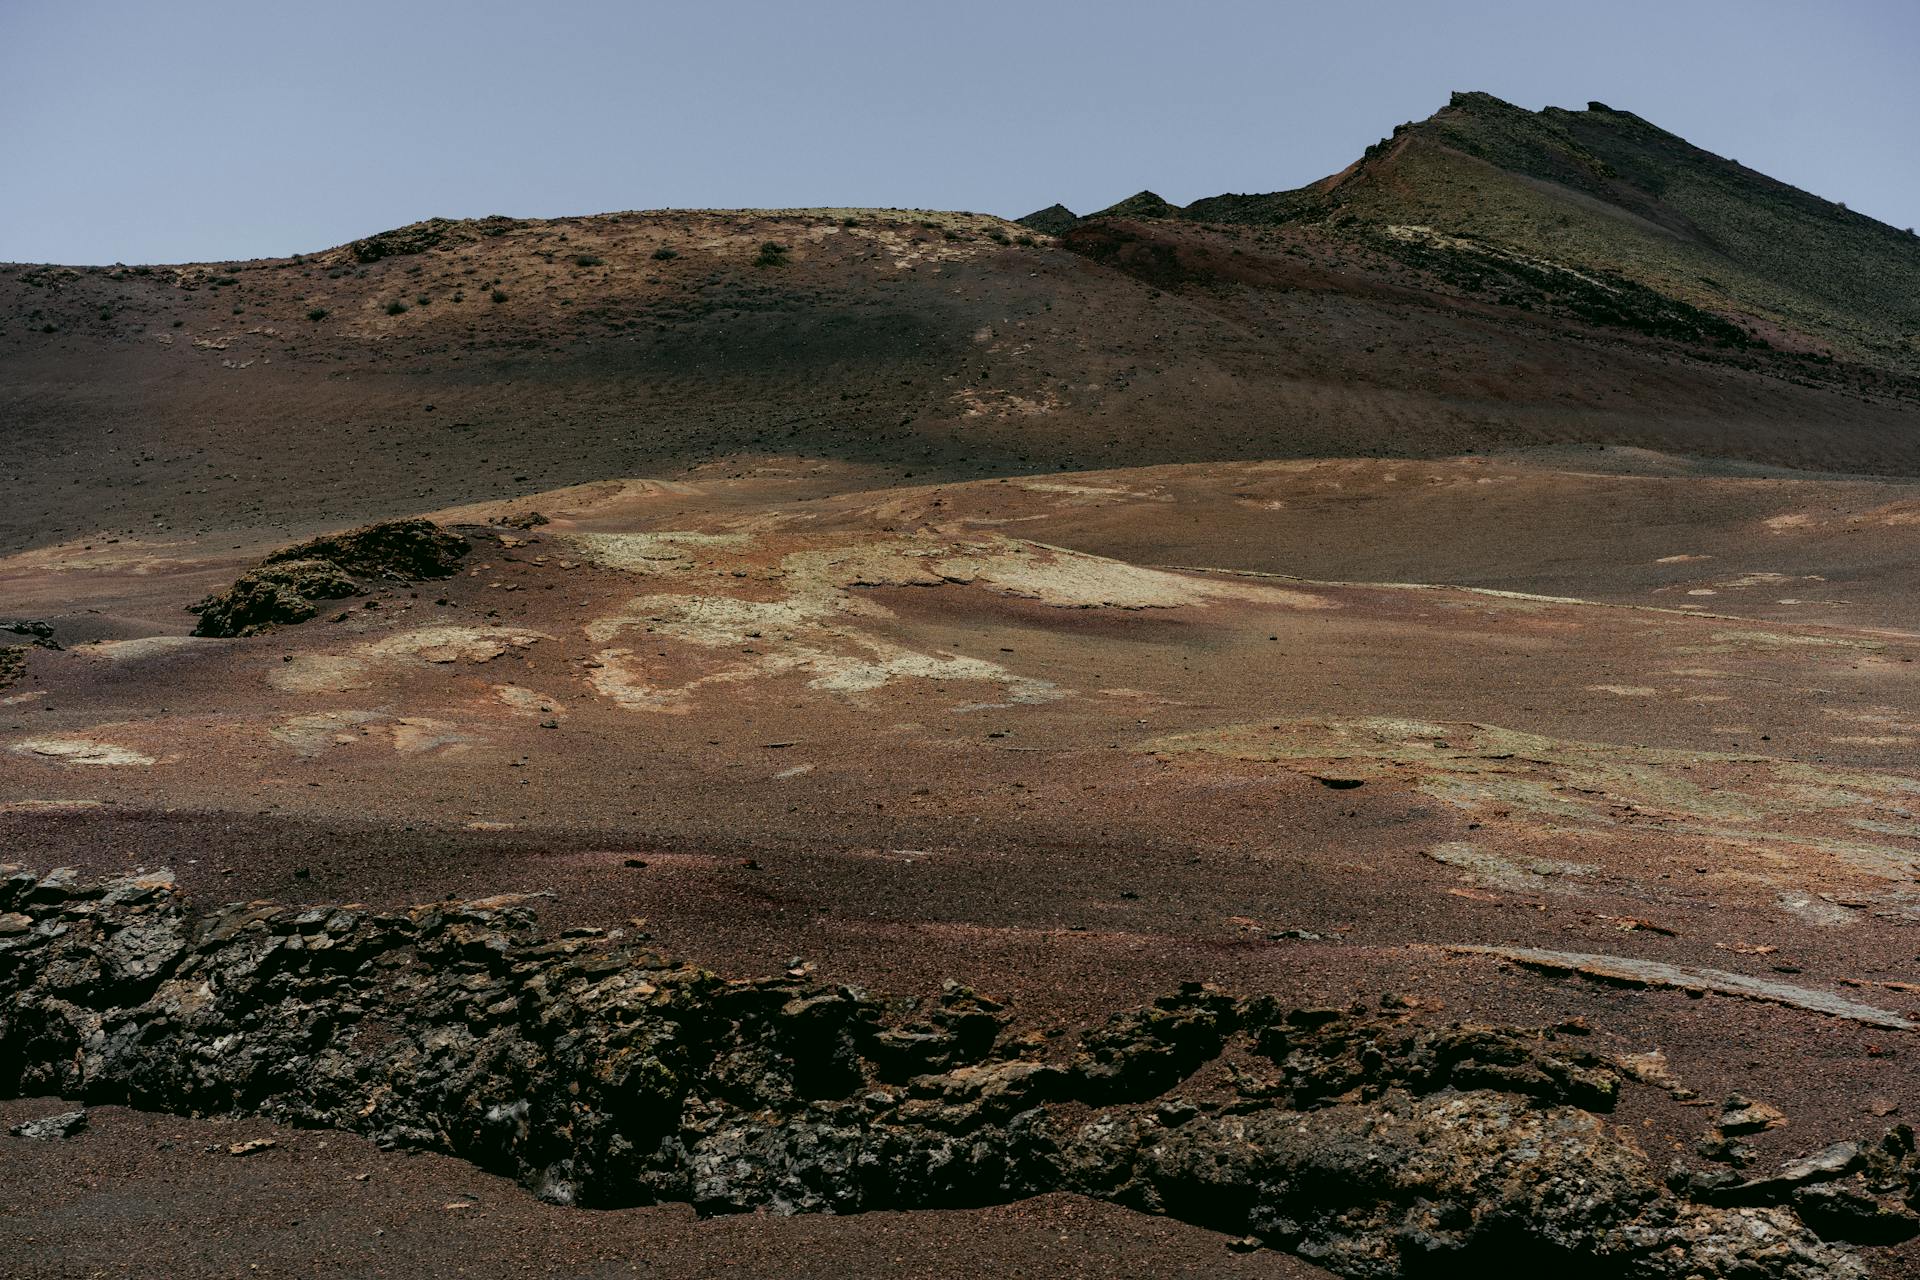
285 588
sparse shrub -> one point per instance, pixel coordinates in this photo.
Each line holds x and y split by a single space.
1024 240
588 260
849 222
317 314
499 295
424 300
998 236
396 307
772 254
664 254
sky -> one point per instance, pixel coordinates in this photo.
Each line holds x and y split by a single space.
195 131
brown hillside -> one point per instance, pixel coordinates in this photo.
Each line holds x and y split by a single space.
462 361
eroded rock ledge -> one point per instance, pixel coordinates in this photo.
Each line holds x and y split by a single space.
599 1072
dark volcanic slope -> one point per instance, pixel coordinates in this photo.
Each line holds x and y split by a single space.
454 361
1493 193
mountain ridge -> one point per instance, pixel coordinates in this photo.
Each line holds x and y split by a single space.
1605 189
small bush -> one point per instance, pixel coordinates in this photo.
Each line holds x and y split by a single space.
588 260
664 254
317 314
499 295
424 300
396 307
772 254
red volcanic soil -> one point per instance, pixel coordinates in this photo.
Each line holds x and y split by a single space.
966 731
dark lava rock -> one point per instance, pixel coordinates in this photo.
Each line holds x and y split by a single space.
50 1128
274 595
283 588
418 237
1739 1117
41 633
405 550
601 1073
1849 1213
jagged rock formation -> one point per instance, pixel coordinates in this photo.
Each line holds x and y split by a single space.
406 550
599 1072
284 588
418 237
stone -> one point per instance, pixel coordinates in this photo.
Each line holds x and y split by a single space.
1738 1116
1851 1214
51 1128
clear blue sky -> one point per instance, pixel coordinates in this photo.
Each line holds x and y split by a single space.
185 130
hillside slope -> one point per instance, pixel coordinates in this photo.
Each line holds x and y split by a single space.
464 361
1603 190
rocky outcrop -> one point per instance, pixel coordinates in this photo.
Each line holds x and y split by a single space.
286 587
419 237
403 550
600 1072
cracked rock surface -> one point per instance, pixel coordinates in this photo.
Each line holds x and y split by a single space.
601 1073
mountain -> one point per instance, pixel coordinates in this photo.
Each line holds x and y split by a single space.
1487 279
1487 189
1052 220
1141 204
